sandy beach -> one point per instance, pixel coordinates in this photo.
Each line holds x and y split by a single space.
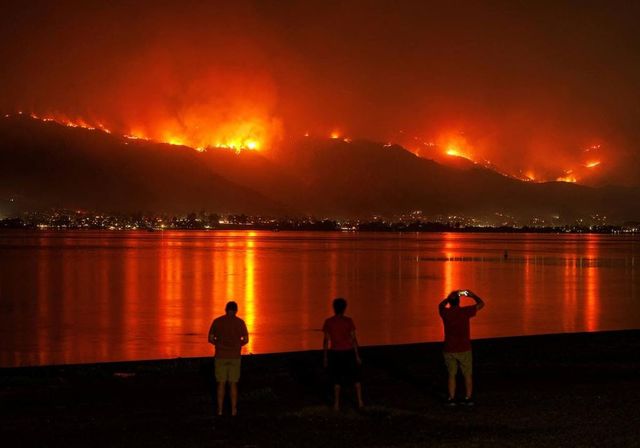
552 390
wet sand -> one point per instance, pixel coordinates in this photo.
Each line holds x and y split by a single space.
555 390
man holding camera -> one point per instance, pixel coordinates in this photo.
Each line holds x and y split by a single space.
457 341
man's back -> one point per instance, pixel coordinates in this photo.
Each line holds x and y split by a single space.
228 332
339 328
456 328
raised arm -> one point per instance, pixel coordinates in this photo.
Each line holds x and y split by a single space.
478 300
442 305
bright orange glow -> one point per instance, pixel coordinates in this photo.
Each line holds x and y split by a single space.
453 151
335 135
175 141
530 175
250 134
592 164
454 145
568 178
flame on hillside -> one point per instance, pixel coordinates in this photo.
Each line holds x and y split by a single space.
447 146
239 135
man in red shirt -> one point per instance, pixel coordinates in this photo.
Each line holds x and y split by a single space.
228 333
457 341
343 359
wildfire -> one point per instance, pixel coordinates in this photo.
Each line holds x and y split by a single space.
335 135
240 135
568 177
453 151
592 164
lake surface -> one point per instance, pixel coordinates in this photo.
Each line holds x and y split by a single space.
79 296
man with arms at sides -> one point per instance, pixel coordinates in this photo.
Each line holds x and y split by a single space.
457 341
228 333
343 360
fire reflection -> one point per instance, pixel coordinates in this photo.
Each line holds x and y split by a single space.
131 289
249 313
570 283
592 287
450 268
169 307
112 296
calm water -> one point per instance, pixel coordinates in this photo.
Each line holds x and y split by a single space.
74 297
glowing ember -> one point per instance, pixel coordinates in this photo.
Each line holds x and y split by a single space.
135 137
335 135
592 164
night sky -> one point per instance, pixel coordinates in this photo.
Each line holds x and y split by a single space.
533 87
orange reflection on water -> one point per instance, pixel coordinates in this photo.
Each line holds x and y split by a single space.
570 283
170 301
250 287
107 296
451 281
592 305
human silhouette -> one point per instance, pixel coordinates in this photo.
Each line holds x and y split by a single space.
457 341
228 333
341 355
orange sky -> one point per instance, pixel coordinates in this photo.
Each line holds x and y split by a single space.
538 90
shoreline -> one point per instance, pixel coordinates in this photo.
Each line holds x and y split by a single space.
194 362
577 389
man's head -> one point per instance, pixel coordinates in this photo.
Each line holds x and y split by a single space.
231 308
453 298
339 305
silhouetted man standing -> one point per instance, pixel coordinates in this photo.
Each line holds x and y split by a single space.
228 333
343 359
457 341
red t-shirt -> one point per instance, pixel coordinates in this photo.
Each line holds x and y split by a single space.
456 328
339 329
230 334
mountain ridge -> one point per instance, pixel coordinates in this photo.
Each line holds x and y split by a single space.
47 165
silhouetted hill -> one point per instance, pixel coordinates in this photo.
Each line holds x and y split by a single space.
363 177
47 165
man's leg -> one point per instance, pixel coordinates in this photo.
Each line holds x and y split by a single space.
466 365
452 371
468 385
234 398
452 386
220 395
336 397
233 378
359 395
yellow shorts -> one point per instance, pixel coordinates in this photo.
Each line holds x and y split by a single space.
463 359
227 370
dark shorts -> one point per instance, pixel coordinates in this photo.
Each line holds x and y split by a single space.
343 368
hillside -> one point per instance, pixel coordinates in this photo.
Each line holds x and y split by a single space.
45 165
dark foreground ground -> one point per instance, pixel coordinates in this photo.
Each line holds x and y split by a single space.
558 390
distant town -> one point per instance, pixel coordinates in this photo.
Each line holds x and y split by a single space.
412 222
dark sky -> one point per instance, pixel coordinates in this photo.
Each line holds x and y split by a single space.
527 85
